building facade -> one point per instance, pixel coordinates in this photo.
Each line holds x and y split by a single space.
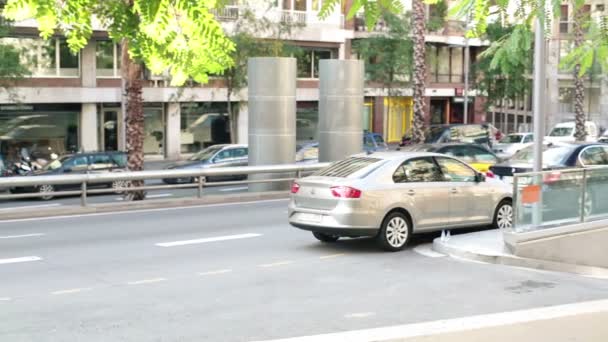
73 102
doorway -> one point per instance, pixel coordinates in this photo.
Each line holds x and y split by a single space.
109 130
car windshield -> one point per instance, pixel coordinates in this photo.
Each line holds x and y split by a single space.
551 155
347 167
511 139
55 164
206 154
434 134
561 132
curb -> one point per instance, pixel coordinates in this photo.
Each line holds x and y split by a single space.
143 205
513 260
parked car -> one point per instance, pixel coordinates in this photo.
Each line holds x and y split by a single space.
80 163
564 132
478 156
373 142
471 133
561 190
512 144
211 157
392 195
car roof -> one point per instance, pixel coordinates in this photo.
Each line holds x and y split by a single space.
222 146
392 155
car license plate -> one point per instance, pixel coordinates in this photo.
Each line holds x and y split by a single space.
310 217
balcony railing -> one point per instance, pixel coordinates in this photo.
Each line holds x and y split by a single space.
302 18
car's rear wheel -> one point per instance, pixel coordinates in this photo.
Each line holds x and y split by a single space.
120 186
503 216
44 189
395 232
325 237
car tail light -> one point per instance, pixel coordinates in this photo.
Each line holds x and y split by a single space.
295 187
345 192
490 174
552 177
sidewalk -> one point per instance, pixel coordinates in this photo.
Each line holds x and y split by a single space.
488 246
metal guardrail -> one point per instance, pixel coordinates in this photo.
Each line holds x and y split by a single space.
284 173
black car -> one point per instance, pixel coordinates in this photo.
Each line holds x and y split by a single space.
477 156
80 163
561 190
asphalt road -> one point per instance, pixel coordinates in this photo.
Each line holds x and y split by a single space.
238 273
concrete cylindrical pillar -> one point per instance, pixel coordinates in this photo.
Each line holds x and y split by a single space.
272 116
340 109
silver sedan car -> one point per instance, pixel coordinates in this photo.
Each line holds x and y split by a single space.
392 195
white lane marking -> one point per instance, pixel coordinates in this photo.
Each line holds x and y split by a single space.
360 315
22 259
205 240
143 211
275 264
331 256
235 189
70 291
158 195
4 299
427 251
32 206
215 272
146 281
436 328
21 236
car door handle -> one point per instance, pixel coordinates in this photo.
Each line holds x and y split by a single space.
454 191
411 192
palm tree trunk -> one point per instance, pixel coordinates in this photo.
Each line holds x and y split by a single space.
579 87
419 27
131 73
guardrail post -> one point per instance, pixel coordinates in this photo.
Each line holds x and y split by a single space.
515 204
298 174
83 194
584 195
200 186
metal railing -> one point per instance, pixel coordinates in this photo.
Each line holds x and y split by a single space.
556 197
44 187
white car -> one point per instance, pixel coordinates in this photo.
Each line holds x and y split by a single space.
512 143
564 132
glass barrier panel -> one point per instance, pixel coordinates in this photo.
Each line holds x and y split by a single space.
596 194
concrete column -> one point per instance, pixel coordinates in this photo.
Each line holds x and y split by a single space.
243 123
603 110
173 131
552 93
340 108
88 67
89 130
272 116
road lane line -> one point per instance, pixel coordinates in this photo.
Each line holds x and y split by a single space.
275 264
331 256
158 195
21 236
205 240
5 299
22 259
235 189
146 281
139 211
360 315
32 206
70 291
215 272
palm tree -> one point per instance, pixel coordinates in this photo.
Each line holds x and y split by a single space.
419 28
579 87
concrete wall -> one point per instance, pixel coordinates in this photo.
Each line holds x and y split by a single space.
88 67
88 128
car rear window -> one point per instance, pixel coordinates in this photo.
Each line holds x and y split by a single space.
347 167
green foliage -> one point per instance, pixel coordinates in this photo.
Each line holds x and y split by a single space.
502 70
11 68
182 36
373 9
591 55
388 57
437 16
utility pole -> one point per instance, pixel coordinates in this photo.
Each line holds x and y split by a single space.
466 80
538 104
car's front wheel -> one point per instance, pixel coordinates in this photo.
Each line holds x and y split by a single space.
395 232
325 237
503 216
45 190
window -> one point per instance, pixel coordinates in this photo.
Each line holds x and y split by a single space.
308 62
46 58
240 153
455 171
563 19
460 152
102 161
348 167
482 155
528 139
154 130
595 155
316 5
225 154
107 59
203 124
76 164
417 170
